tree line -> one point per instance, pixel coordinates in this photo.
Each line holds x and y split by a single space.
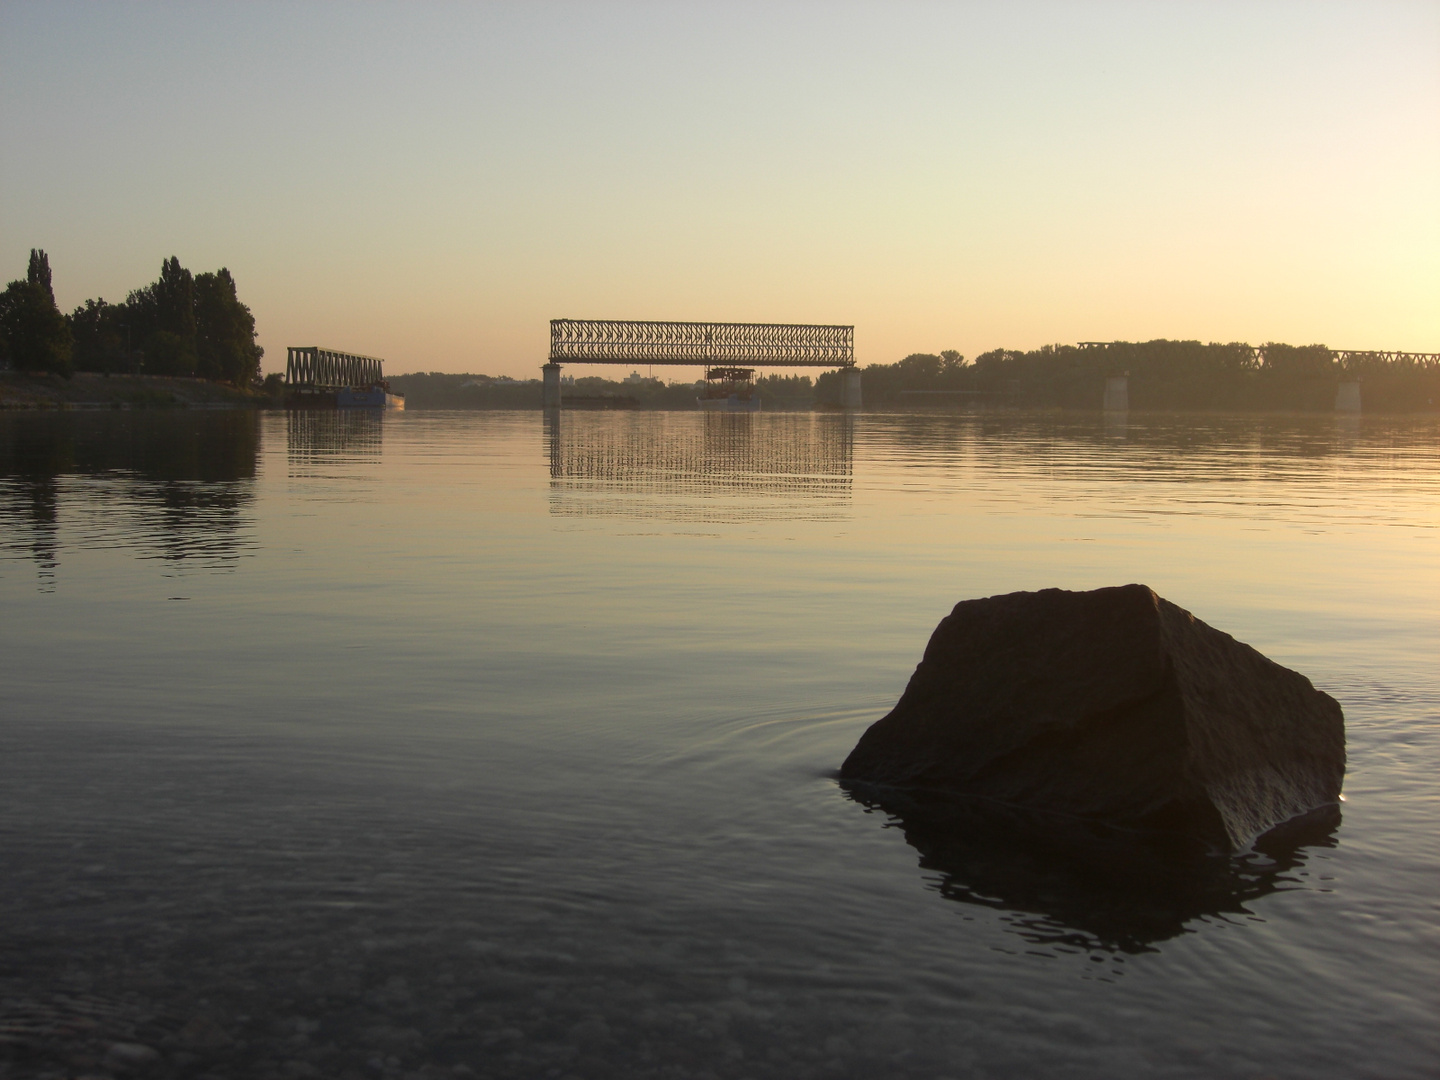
1163 374
180 324
442 390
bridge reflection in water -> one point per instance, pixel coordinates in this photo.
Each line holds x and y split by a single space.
319 441
701 467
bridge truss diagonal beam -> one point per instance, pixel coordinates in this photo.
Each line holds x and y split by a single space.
709 344
1346 358
331 369
1356 357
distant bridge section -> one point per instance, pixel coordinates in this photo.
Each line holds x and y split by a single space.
1347 357
1344 357
611 341
329 369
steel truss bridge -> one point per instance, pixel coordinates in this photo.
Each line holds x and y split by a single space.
1351 357
1343 357
707 344
310 366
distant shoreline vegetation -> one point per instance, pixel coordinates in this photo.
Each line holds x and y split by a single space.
195 326
441 390
182 324
1163 375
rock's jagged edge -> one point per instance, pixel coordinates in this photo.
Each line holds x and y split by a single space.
1112 704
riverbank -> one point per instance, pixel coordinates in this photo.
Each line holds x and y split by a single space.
88 390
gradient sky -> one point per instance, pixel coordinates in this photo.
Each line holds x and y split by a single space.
432 183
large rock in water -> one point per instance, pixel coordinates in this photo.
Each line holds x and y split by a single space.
1111 704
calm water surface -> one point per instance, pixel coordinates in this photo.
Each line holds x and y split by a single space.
471 744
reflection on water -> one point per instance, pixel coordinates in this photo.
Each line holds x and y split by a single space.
316 438
701 466
1273 469
1157 442
447 779
1069 885
174 486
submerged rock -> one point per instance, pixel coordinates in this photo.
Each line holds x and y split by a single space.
1110 704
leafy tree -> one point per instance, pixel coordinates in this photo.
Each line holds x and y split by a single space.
180 323
166 307
774 389
34 336
169 354
224 331
101 337
1298 359
918 371
175 299
38 272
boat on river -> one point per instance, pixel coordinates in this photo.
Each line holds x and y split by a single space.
729 389
377 395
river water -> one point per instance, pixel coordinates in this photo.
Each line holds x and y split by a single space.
481 744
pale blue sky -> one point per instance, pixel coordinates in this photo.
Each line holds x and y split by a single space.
433 182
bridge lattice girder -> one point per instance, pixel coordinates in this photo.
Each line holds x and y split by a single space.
1353 357
1344 357
330 369
611 341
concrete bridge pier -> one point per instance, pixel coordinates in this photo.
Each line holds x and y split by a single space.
1117 394
552 385
1347 397
850 388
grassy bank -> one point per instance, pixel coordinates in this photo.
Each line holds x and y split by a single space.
23 390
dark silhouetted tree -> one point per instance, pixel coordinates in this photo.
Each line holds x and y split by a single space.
101 337
34 336
181 325
38 272
224 331
1298 359
166 307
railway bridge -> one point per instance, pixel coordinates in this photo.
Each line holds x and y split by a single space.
718 347
322 378
313 368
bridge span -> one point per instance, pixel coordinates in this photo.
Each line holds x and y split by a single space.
1348 359
316 368
317 377
713 345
